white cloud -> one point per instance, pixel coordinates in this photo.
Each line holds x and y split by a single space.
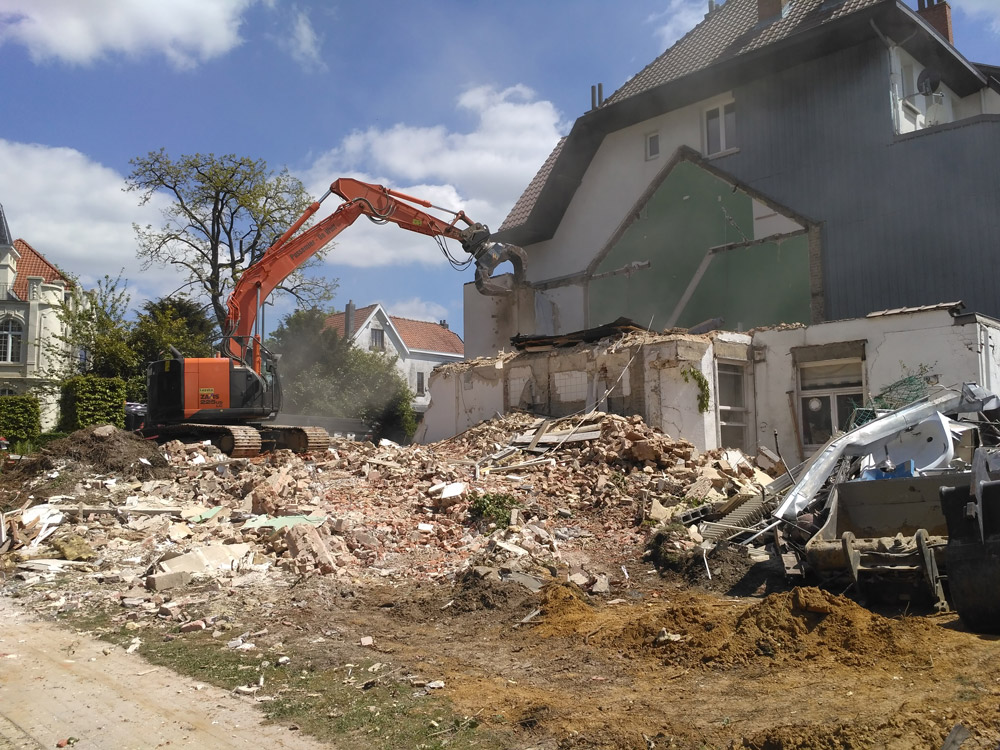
418 309
481 172
985 9
679 17
186 32
73 211
303 43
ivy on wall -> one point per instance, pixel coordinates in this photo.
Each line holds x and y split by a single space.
704 394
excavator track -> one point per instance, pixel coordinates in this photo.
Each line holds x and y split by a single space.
299 439
236 441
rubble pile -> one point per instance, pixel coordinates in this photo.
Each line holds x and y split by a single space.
516 498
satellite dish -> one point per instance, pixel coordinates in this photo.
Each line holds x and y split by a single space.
928 81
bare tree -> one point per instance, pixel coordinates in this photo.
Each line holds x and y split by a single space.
225 212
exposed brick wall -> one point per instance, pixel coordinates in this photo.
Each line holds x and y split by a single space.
938 15
768 9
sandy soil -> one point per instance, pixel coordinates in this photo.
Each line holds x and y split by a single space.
666 659
60 687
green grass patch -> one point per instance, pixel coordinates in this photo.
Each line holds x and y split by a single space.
332 703
493 506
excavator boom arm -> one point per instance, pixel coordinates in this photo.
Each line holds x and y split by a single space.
360 198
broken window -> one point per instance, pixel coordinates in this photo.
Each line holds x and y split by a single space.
720 129
10 340
829 392
731 396
378 339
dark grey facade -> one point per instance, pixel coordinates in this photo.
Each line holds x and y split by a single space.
906 219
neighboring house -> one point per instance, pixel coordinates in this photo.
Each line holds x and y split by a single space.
793 385
419 346
31 292
783 162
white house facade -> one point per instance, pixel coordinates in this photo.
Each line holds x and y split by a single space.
32 291
418 346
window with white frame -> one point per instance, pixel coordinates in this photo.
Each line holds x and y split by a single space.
720 128
378 339
10 340
829 392
652 145
731 390
420 384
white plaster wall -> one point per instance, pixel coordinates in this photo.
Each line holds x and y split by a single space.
897 346
614 181
991 102
491 321
569 308
461 398
672 401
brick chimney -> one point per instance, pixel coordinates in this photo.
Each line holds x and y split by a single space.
937 13
768 10
349 319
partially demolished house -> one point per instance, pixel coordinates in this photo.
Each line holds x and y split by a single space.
783 162
786 388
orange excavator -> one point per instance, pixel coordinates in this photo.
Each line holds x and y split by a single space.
227 399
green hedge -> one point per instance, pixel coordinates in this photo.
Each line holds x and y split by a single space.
20 418
88 400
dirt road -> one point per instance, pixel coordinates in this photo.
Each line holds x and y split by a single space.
56 686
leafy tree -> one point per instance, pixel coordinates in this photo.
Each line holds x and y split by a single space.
225 212
324 375
177 322
94 339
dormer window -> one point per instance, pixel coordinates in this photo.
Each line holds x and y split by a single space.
720 128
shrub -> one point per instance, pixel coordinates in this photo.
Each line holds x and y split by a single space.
20 418
88 400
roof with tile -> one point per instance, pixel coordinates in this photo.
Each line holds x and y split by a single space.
731 30
519 213
338 321
417 335
728 48
32 265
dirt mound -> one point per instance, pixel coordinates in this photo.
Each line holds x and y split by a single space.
809 623
473 594
101 449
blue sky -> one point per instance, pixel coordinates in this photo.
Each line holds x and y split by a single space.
457 101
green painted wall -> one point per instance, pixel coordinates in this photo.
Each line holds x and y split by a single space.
689 213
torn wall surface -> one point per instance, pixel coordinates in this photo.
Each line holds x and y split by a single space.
668 379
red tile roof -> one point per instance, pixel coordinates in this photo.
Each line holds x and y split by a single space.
418 335
337 321
32 264
425 336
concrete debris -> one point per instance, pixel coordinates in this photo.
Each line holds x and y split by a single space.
381 512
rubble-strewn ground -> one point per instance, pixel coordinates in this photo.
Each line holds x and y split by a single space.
366 589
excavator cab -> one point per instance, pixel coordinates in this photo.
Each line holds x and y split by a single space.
213 390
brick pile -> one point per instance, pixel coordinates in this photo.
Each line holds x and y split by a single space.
583 500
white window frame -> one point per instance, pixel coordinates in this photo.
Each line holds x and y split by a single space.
377 339
832 393
8 337
725 147
421 388
727 413
652 141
